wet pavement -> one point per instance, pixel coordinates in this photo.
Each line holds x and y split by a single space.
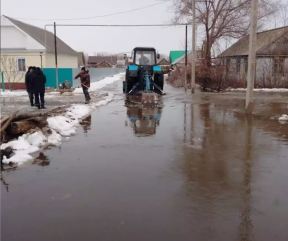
196 168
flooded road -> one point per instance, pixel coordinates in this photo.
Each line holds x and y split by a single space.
193 169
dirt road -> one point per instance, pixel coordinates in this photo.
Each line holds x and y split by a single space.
196 169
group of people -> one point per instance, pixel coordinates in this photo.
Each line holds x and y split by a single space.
35 85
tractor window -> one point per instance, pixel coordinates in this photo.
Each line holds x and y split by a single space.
145 57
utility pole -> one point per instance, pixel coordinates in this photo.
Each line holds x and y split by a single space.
193 46
186 58
56 64
252 57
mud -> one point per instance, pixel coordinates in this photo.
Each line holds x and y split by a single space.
195 168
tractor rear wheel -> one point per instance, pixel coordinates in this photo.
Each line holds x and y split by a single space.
129 82
159 80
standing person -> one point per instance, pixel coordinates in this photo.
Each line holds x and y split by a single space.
27 83
85 83
38 81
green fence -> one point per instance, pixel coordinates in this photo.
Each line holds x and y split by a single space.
64 74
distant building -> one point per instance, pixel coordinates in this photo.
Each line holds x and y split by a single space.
104 64
176 54
94 61
24 45
163 62
121 63
271 53
81 59
180 61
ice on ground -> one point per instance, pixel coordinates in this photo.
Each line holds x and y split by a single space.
24 146
283 118
61 127
261 90
13 93
19 93
61 124
100 84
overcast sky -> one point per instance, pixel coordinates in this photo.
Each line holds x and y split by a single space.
112 40
99 39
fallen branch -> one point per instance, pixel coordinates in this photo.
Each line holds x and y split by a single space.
4 119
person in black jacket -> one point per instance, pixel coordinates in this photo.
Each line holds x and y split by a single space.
37 86
27 83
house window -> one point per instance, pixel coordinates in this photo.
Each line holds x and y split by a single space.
278 65
20 64
238 64
246 65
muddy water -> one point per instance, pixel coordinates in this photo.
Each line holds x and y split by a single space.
193 169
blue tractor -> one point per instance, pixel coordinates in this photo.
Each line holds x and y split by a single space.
143 75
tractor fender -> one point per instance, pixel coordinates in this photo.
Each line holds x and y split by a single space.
133 69
157 69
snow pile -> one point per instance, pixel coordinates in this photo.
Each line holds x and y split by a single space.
24 146
283 118
261 90
13 93
60 127
100 84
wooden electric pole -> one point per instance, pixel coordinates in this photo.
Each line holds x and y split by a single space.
252 57
193 46
56 62
185 58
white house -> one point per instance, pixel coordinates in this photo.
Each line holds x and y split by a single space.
24 45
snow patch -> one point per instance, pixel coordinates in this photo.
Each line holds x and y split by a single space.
100 84
283 118
61 127
261 90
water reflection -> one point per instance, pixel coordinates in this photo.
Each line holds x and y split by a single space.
42 160
143 121
86 123
217 182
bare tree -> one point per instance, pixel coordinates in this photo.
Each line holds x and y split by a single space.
222 19
12 73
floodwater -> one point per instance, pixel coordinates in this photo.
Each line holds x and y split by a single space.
195 168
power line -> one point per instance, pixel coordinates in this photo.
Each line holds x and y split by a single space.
97 16
118 25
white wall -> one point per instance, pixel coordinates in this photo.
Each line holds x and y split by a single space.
64 61
32 59
14 38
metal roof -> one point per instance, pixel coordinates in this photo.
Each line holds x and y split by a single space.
100 59
264 40
39 35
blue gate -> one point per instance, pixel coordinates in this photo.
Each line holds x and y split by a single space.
64 74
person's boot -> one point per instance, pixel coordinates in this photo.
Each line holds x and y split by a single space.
38 106
42 106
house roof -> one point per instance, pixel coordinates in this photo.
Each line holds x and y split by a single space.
163 61
39 35
176 54
100 59
264 39
105 63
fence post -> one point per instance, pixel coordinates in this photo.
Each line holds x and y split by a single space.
2 77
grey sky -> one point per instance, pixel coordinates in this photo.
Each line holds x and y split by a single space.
98 39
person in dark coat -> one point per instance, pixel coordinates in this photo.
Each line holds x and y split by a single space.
27 83
85 83
37 85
